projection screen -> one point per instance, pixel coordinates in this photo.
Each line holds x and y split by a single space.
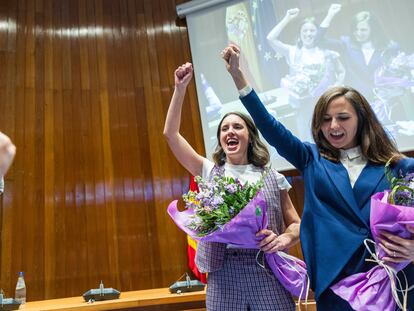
291 60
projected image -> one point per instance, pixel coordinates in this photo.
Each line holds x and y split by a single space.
376 65
291 55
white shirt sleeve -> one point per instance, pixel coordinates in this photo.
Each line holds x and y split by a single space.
282 182
207 167
1 185
245 91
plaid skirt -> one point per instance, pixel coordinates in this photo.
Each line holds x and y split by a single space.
241 284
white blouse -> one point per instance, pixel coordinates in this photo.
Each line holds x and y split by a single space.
354 162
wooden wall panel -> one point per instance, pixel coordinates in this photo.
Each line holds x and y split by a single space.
84 89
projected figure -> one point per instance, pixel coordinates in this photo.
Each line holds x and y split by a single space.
374 64
363 52
235 280
311 69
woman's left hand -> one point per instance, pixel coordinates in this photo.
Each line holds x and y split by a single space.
397 248
272 242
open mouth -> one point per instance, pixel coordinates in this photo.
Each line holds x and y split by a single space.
336 135
232 143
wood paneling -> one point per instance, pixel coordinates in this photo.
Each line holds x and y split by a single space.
84 89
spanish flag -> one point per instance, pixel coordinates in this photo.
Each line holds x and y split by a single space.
192 246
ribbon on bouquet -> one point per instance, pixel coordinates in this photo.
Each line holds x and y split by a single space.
392 275
293 265
379 288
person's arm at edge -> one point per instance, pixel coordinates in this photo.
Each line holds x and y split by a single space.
7 153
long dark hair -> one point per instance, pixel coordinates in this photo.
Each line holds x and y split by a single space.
377 34
257 153
375 144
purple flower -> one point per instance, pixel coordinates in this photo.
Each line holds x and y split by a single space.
232 188
216 201
409 177
209 204
402 187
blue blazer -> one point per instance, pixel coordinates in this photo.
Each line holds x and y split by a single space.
335 219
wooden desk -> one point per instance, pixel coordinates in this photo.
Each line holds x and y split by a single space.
151 299
159 299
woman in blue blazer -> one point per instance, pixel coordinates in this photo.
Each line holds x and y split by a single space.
341 172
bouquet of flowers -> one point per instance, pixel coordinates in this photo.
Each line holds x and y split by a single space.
217 202
226 211
304 81
396 72
391 211
392 80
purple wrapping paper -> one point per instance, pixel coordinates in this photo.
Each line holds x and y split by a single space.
241 231
290 271
371 290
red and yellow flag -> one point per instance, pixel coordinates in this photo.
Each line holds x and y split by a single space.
192 246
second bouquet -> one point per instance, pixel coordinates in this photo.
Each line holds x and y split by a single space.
226 211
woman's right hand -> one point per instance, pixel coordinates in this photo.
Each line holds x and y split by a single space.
183 75
231 56
334 9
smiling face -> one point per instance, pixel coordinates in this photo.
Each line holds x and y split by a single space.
362 32
234 139
308 34
340 124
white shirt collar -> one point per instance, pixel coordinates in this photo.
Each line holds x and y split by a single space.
351 153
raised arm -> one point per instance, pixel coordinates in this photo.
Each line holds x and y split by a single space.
333 10
321 39
273 36
182 150
286 144
7 152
